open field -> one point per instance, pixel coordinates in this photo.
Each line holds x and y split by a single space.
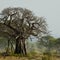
36 57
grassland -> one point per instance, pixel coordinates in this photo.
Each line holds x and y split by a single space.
30 57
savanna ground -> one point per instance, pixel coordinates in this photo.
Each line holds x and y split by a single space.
33 56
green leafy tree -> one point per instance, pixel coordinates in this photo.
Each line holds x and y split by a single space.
47 41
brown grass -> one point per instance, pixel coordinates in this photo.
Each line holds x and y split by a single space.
30 57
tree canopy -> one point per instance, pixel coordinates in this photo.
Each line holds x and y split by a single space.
20 23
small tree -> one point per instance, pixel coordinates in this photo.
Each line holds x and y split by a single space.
49 42
20 24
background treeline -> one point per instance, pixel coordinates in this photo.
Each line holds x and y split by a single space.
43 45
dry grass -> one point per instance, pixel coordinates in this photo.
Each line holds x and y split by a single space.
19 58
30 57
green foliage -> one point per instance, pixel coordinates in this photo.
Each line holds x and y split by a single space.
50 43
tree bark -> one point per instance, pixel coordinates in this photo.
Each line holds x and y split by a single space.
20 47
24 47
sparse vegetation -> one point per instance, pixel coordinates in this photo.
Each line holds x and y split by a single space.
24 36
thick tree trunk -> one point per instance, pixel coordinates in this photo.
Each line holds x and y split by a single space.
24 48
20 47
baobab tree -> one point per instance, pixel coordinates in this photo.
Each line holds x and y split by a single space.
20 24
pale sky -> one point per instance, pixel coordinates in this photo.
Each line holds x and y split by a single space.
50 9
